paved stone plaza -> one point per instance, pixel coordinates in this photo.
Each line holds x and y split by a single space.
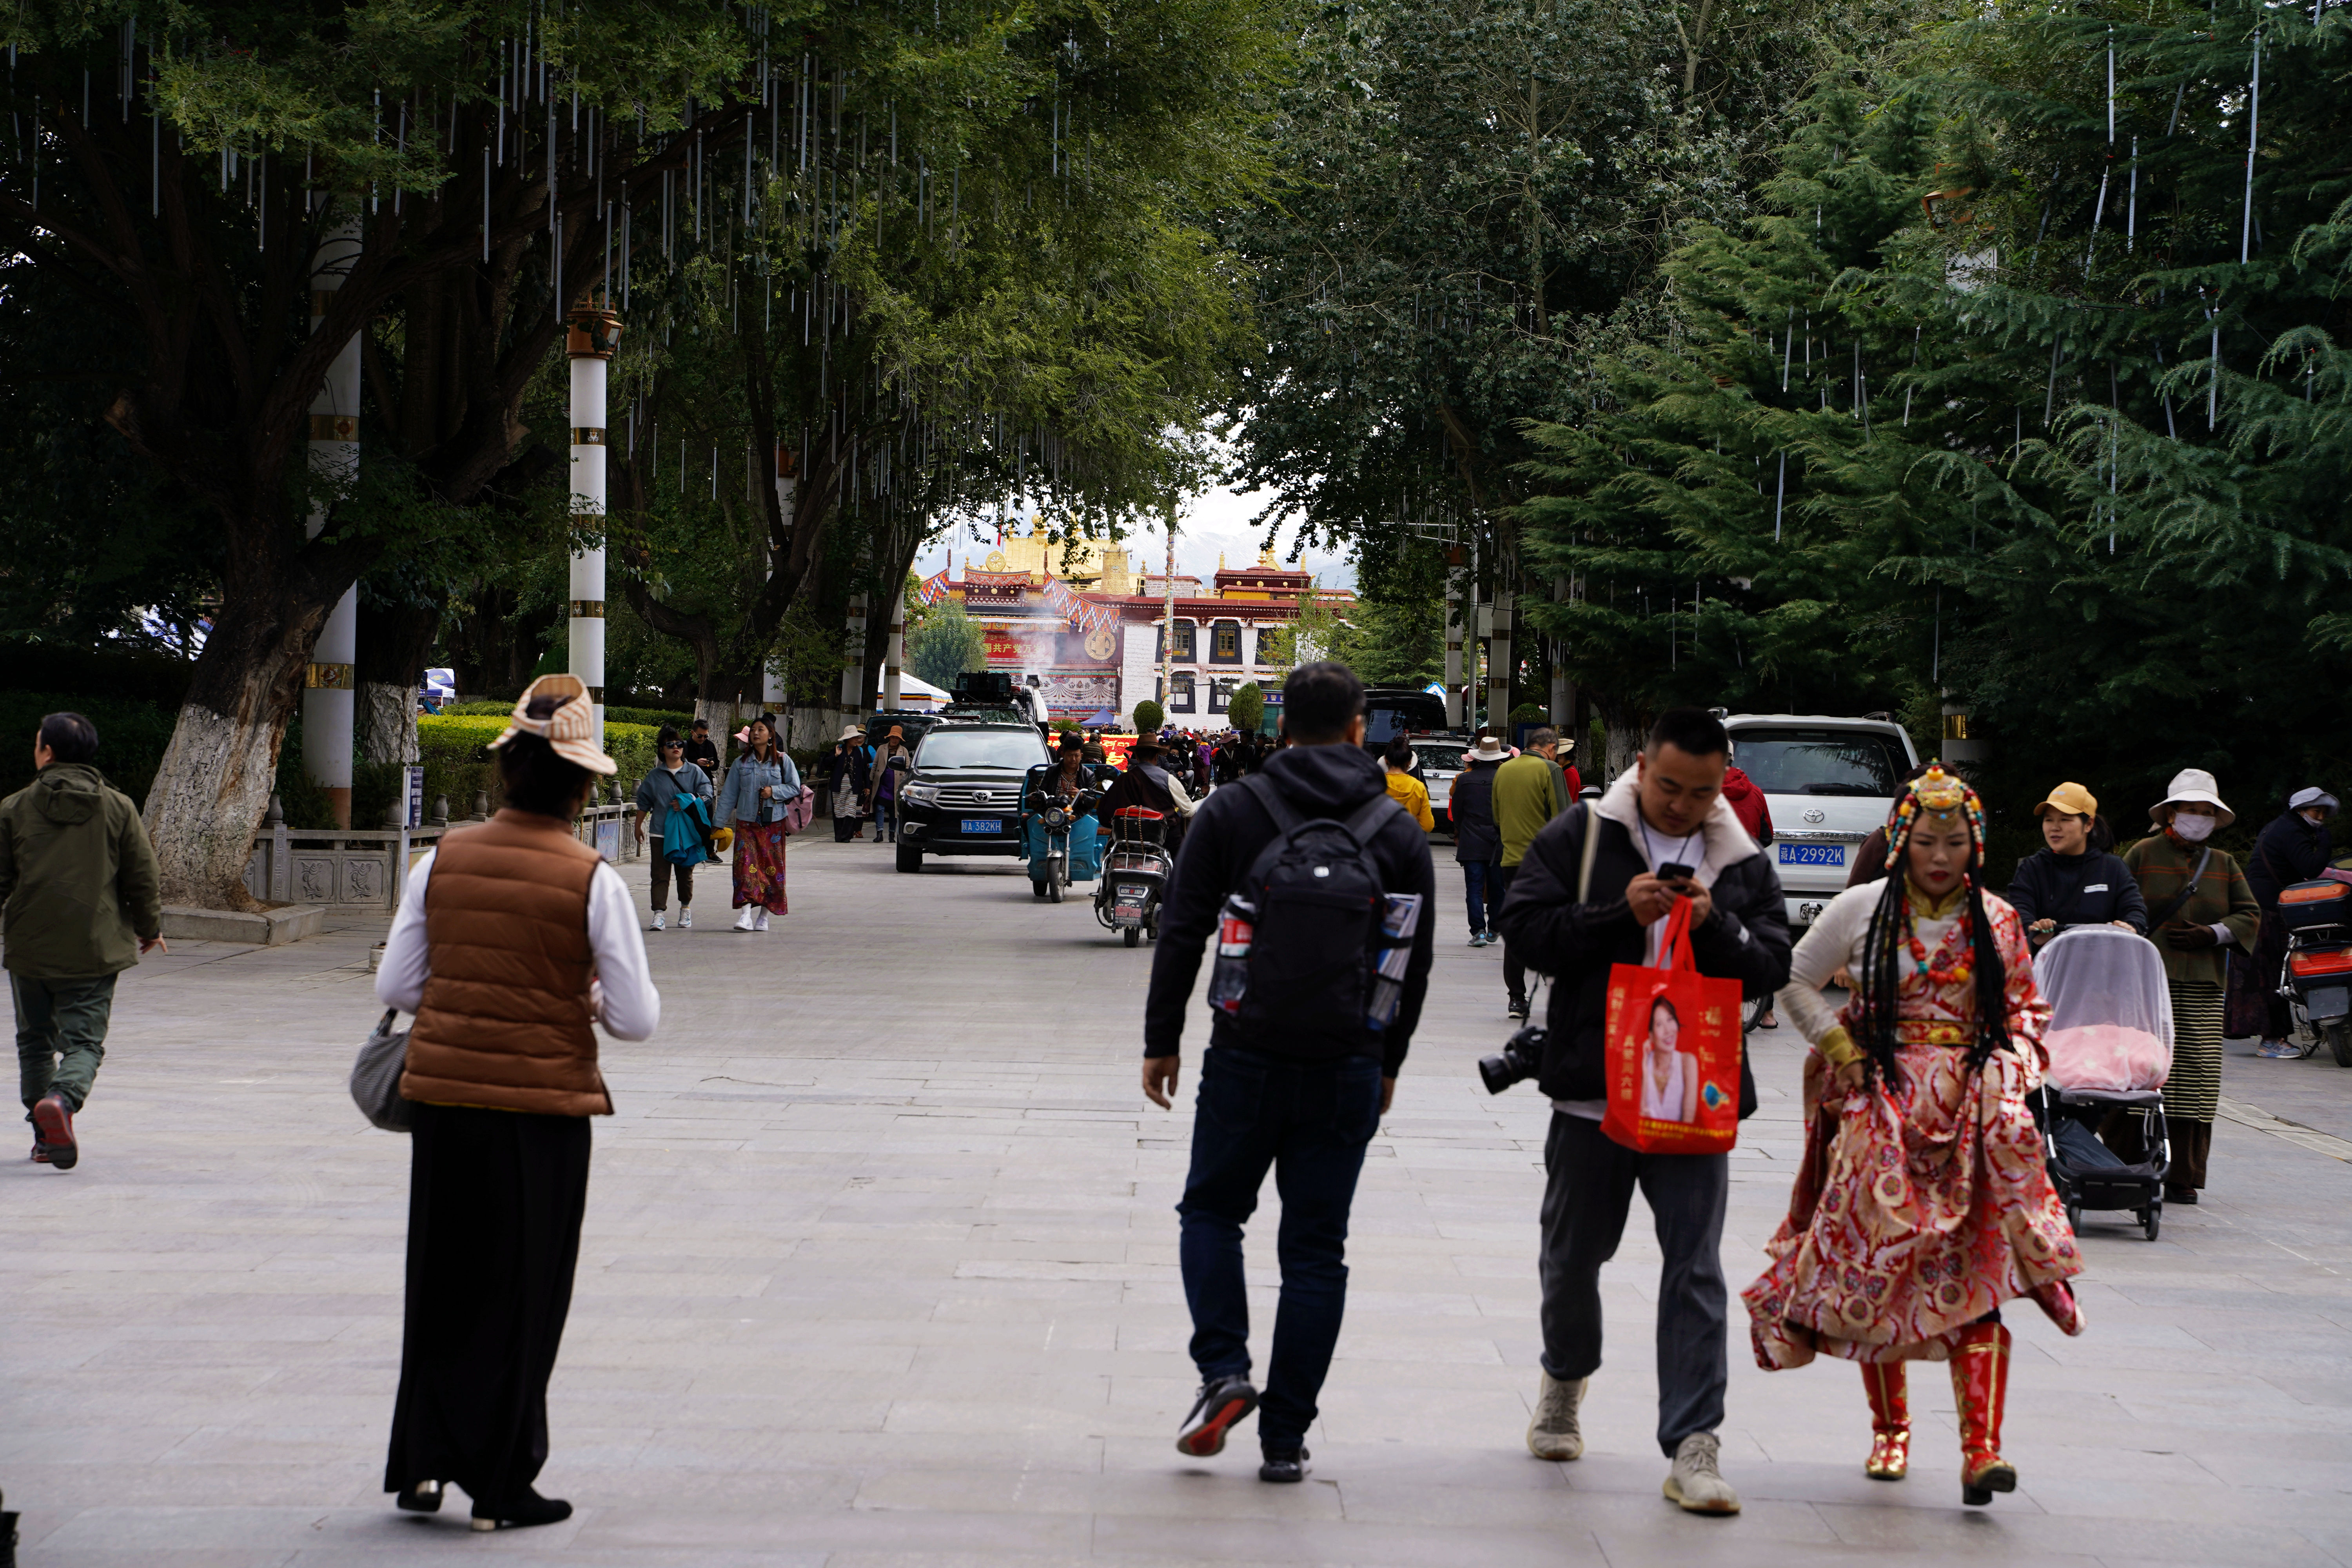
880 1267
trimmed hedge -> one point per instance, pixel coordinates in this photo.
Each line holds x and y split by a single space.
457 764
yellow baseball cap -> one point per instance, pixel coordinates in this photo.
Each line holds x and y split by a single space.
2070 798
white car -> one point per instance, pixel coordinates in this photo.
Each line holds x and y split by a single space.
1441 759
1830 782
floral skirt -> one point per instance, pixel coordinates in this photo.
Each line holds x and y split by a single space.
760 865
1914 1214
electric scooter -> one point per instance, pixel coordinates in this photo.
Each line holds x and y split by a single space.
1135 875
1055 817
2317 979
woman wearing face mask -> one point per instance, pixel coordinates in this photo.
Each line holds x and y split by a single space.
2075 881
1922 1202
2199 902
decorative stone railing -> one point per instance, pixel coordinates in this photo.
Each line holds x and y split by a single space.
366 868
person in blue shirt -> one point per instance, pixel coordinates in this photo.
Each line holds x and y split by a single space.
760 789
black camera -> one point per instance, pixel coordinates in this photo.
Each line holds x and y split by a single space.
1521 1058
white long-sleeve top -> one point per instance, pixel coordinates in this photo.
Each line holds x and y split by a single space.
623 994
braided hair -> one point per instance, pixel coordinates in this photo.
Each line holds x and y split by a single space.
1877 994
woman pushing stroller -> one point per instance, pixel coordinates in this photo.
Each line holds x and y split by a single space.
1922 1202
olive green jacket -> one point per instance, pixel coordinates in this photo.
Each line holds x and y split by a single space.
78 886
2223 896
1529 792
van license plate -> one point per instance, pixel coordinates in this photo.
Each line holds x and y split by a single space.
1812 854
989 826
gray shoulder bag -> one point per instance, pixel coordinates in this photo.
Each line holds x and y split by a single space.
375 1076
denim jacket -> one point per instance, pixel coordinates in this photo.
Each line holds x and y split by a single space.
740 800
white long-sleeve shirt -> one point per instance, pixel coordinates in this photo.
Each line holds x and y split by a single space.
626 1002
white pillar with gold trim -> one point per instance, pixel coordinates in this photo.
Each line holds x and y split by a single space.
595 333
327 687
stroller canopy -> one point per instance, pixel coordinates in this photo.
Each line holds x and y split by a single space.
2110 1015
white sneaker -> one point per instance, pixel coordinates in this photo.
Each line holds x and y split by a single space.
1696 1482
661 917
760 922
743 918
1554 1433
685 917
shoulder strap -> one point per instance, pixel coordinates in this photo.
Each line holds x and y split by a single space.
1584 861
1286 820
2188 891
1362 824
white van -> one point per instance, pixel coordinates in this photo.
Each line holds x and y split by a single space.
1830 782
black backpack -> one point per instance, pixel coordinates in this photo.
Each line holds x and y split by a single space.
1318 903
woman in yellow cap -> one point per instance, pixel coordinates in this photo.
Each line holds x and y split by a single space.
2077 880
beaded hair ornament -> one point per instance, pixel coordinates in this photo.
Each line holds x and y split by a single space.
1943 799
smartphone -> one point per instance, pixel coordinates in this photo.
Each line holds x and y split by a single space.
1673 871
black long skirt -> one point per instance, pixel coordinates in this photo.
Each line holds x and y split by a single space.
495 1199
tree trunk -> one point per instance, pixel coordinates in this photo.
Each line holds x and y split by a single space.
216 774
1626 729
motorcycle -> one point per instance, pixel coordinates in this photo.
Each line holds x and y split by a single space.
1056 817
1135 878
2317 979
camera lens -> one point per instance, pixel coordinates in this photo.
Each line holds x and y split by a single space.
1497 1070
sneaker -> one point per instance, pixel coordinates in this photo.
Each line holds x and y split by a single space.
1518 1008
743 918
1284 1464
53 1130
685 918
1223 1403
1477 939
2276 1050
760 922
661 919
1554 1433
1696 1482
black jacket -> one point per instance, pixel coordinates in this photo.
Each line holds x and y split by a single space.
2290 849
1476 840
1135 787
2089 889
1746 938
1227 833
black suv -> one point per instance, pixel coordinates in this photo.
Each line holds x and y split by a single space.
964 795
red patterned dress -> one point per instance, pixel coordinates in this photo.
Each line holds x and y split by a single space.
1916 1212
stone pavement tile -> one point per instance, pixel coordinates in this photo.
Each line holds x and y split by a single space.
2023 1528
837 1530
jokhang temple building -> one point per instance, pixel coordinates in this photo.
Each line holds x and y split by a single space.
1077 614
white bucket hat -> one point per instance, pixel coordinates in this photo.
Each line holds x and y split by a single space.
1488 750
2192 786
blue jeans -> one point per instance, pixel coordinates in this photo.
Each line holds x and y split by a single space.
1310 1121
1477 878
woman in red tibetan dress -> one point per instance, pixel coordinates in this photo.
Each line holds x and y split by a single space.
1922 1202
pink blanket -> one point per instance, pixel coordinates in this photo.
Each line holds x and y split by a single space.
2107 1056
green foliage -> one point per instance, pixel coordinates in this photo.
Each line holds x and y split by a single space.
1148 716
948 644
2015 476
1246 711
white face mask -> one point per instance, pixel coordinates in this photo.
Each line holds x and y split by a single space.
2196 829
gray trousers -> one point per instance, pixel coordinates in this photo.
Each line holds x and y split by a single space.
1588 1188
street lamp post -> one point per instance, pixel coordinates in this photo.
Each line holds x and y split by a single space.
596 331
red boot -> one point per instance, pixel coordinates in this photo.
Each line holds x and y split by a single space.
1888 1383
1980 1387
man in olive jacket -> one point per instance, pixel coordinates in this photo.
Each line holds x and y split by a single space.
79 901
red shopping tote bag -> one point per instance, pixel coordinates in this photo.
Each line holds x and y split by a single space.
1672 1045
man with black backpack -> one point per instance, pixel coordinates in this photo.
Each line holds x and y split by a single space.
1318 887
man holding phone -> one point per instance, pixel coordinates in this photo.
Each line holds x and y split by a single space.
1593 891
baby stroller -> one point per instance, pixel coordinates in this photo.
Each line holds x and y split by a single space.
2110 1045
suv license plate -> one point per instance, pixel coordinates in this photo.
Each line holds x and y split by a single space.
1812 854
990 826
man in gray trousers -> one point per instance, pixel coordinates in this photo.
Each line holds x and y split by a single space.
1577 908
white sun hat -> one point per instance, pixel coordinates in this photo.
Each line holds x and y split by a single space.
2192 786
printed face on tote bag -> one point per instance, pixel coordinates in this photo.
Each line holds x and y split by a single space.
1671 1044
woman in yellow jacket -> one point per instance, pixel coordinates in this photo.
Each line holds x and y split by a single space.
1403 788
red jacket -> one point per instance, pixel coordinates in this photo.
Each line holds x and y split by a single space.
1748 805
